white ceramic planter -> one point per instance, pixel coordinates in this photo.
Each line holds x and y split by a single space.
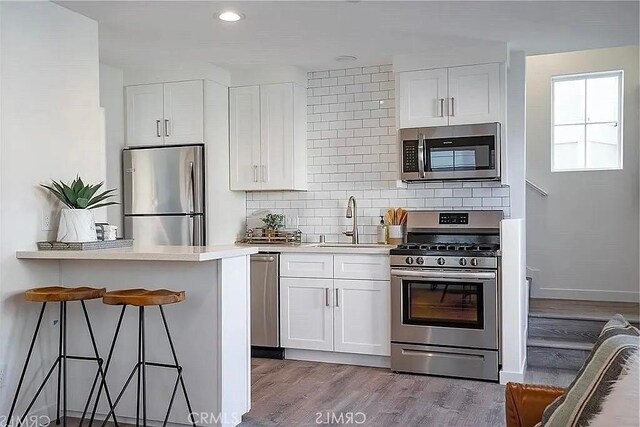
76 225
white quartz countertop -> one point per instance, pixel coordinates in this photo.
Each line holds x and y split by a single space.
327 248
146 253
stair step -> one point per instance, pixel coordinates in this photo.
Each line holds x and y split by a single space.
586 331
557 354
583 310
566 345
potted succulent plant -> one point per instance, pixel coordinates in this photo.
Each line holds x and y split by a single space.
272 223
77 223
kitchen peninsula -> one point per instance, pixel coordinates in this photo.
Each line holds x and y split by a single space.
210 328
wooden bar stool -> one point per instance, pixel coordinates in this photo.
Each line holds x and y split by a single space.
53 294
142 298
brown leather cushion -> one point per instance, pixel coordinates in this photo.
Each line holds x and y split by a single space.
143 297
59 294
525 403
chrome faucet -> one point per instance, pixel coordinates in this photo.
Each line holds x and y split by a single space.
352 212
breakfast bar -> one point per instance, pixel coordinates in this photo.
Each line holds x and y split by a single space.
210 329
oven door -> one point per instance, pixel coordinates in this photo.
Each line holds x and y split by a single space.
444 307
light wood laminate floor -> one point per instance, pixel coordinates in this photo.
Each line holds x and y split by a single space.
294 393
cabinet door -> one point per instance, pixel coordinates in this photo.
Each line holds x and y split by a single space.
144 114
244 136
183 112
306 314
362 317
422 98
474 93
276 131
306 265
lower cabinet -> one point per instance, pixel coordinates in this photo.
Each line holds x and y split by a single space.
361 317
306 313
335 314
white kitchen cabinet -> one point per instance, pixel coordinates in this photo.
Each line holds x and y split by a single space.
362 267
362 317
184 112
144 115
451 96
306 313
165 113
423 95
268 137
474 94
244 134
335 291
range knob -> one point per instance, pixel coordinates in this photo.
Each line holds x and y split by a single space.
474 262
440 261
408 260
420 260
463 261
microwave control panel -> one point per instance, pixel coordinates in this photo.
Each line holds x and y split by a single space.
410 156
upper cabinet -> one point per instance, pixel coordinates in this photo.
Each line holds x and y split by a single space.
268 137
450 96
165 113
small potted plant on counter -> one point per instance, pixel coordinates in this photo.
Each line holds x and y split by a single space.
77 223
272 223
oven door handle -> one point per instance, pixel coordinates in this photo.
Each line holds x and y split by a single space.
443 275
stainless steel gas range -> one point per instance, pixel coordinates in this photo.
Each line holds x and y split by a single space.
445 299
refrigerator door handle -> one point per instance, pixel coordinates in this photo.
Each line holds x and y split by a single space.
192 179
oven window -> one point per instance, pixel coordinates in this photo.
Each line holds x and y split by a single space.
447 304
461 154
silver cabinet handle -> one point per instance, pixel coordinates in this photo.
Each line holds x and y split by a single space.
337 297
453 107
166 127
441 107
158 129
255 173
326 297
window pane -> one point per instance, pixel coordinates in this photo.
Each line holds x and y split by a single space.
568 147
602 146
568 101
602 99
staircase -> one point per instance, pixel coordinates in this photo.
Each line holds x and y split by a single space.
562 332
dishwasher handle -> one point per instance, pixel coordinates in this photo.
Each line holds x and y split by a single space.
263 258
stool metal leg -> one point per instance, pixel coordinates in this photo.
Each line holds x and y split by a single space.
106 369
26 363
59 367
175 359
100 370
138 368
144 369
64 364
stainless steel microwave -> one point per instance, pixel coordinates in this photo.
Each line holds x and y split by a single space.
450 152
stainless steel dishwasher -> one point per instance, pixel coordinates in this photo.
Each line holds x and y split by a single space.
265 306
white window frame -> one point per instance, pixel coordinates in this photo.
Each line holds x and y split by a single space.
587 76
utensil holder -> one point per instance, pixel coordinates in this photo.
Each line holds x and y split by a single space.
396 234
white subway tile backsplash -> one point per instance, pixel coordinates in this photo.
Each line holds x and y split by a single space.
352 150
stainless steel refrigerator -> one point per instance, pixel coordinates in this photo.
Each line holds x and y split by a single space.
164 195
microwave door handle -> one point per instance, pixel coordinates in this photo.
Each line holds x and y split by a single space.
421 158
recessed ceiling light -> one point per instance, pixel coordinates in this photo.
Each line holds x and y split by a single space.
345 58
230 16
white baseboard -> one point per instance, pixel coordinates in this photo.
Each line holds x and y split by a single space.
514 377
588 295
339 358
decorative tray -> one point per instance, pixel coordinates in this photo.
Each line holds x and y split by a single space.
85 246
272 237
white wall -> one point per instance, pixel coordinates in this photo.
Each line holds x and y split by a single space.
112 100
50 128
583 237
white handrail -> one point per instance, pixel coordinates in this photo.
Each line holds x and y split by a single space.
539 189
